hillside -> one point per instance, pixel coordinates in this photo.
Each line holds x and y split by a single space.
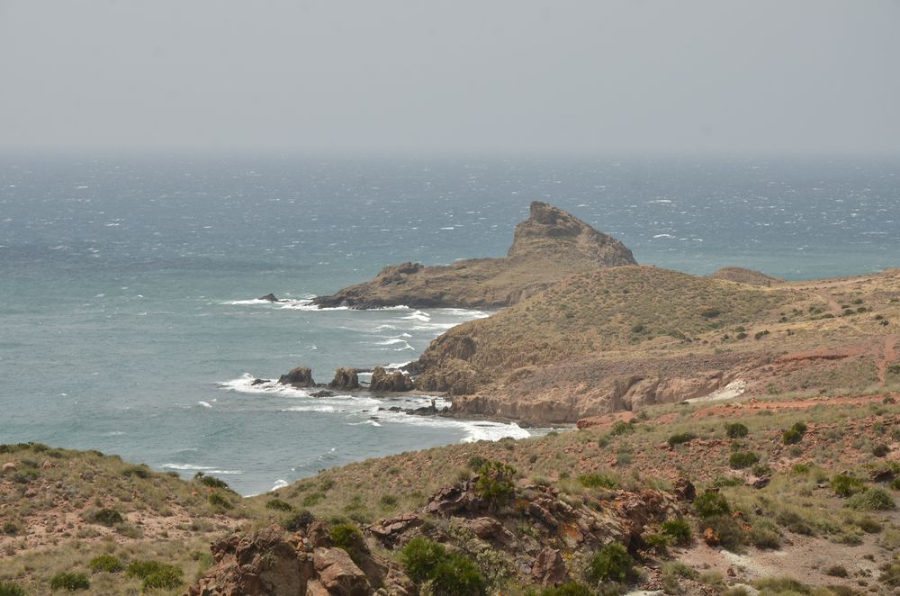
548 246
625 337
785 496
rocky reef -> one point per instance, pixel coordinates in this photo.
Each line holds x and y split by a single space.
547 247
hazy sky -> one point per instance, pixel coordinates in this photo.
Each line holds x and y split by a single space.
456 75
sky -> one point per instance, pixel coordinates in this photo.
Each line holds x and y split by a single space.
383 76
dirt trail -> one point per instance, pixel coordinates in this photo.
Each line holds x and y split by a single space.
832 303
889 354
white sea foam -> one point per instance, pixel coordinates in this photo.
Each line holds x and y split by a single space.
392 341
280 483
177 466
323 409
663 236
369 422
205 404
418 316
244 384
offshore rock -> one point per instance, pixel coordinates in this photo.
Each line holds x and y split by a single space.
300 377
345 378
384 382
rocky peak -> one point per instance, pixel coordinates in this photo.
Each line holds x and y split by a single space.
550 232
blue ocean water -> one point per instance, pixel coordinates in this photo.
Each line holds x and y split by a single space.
127 319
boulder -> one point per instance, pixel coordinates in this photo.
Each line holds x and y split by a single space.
9 467
382 381
269 298
338 574
299 377
549 569
389 531
684 490
345 379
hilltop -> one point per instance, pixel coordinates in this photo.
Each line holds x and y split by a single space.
547 247
626 337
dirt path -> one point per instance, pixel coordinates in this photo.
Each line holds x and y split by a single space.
832 303
889 354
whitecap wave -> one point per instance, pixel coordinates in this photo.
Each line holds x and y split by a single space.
247 384
205 404
322 408
418 316
177 466
280 483
663 236
368 422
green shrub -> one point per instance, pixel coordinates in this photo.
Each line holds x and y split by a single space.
70 581
847 486
137 471
800 427
107 517
679 438
165 579
345 536
895 483
456 575
476 462
764 539
389 500
107 563
495 483
710 504
621 428
873 499
279 505
736 430
679 530
420 557
447 574
837 571
611 563
210 481
731 536
10 528
219 500
11 589
781 585
791 437
299 521
742 459
313 499
595 480
795 523
710 313
569 589
880 450
658 543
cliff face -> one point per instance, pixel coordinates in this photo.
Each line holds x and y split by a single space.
548 246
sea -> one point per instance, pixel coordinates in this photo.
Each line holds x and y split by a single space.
129 318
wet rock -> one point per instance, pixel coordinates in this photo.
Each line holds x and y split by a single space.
322 393
299 377
269 298
382 381
256 382
345 379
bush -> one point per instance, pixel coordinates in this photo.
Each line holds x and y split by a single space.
657 543
457 576
791 437
800 427
345 536
210 481
880 450
765 539
11 589
279 505
742 459
594 480
710 313
156 574
781 585
10 528
873 499
710 504
448 574
837 571
70 581
795 523
420 557
731 535
299 521
678 530
847 486
219 500
495 483
621 428
107 563
476 462
138 471
679 438
736 430
611 563
569 589
107 517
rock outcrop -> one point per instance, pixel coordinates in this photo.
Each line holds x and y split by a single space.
269 298
269 563
547 247
385 382
299 377
345 379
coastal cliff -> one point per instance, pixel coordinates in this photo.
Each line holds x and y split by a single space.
550 245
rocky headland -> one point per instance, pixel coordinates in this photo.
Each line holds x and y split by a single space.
550 245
